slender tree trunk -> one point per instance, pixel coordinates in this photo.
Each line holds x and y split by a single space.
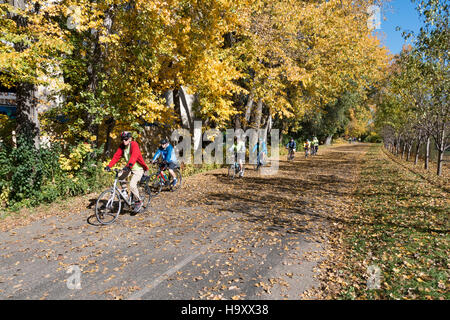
441 150
427 153
257 123
416 160
110 123
258 114
329 139
268 127
403 149
440 161
409 152
248 110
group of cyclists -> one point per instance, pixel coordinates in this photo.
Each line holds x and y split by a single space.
137 168
310 147
136 165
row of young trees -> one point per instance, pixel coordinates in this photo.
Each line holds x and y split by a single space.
414 105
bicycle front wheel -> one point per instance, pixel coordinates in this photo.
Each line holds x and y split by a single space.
107 207
155 183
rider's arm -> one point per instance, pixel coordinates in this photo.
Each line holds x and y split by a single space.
157 154
116 157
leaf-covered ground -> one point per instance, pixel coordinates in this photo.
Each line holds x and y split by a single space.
310 231
398 225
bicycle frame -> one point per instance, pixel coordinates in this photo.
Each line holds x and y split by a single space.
162 168
119 191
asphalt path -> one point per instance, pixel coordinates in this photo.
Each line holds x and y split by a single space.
254 238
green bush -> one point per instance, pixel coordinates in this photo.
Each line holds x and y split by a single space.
373 137
29 177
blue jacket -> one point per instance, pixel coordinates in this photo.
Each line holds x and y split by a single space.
167 154
262 147
292 145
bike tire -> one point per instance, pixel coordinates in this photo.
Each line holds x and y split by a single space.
155 184
145 194
101 206
232 171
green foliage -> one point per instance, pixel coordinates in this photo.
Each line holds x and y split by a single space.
29 177
373 137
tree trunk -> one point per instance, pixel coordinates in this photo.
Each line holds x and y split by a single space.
440 161
441 149
110 123
248 110
257 123
268 127
27 113
416 160
427 153
403 149
328 140
409 151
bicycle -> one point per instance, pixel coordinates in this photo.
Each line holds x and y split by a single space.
109 202
160 179
291 154
234 170
306 152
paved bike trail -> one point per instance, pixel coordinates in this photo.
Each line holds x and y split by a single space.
258 237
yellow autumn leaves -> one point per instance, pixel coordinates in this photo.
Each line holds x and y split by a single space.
293 56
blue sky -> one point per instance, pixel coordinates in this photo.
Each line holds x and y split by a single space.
397 13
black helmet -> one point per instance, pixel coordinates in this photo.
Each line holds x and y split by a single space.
125 135
163 141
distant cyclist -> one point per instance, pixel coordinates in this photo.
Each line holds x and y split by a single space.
129 149
261 149
292 145
306 147
167 152
315 145
239 148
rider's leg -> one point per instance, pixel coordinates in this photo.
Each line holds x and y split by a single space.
135 178
172 173
123 179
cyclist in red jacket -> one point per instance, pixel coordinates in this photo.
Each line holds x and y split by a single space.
129 149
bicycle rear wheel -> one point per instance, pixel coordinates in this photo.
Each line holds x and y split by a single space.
107 207
145 194
232 171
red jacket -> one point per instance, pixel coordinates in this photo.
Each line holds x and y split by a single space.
135 156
